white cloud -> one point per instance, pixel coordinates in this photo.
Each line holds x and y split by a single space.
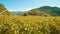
22 10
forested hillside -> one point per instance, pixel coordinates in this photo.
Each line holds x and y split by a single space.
51 11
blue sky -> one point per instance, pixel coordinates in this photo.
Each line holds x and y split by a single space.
24 5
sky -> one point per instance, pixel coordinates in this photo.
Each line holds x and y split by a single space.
25 5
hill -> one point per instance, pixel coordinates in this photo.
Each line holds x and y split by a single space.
35 13
3 10
18 13
54 11
45 10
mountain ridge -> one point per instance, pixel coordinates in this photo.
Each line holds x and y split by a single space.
53 11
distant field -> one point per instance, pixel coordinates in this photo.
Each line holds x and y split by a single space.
29 25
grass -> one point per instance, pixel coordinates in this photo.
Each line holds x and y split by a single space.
29 25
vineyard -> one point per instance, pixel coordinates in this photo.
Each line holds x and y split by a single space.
29 25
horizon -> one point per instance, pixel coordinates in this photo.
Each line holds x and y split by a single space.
25 5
